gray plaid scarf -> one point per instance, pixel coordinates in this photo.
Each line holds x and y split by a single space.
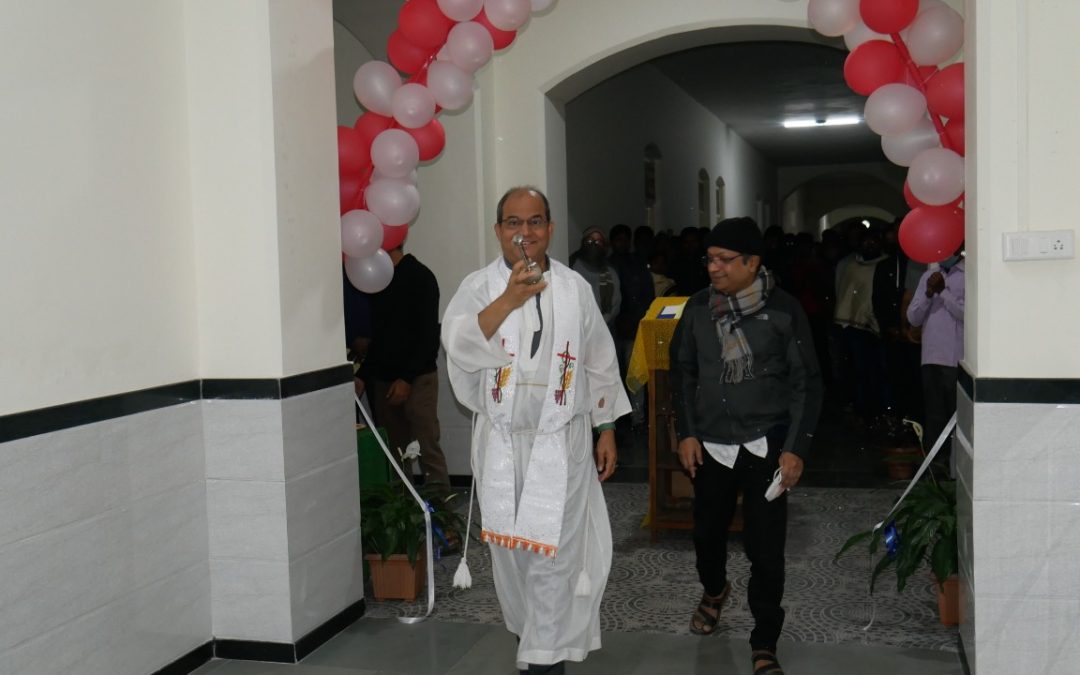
727 312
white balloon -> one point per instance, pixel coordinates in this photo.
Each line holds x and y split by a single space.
935 36
361 233
541 5
394 153
507 14
371 274
936 176
894 109
470 46
413 176
460 10
901 149
413 105
833 17
394 201
374 85
451 86
862 33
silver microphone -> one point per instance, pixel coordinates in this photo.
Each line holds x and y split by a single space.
535 273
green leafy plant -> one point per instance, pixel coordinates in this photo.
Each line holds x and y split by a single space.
926 524
391 521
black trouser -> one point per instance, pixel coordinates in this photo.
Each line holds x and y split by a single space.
554 669
764 534
939 400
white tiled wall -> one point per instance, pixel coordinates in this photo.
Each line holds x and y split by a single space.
103 546
1025 537
292 509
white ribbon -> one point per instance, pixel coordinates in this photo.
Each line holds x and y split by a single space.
918 474
423 507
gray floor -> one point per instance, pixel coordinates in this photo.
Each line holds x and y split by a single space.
384 646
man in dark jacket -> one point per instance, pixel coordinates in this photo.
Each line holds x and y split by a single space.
746 392
400 363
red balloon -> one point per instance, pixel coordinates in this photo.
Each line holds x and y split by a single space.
353 152
954 129
910 198
502 38
888 16
932 233
423 23
945 92
431 138
349 192
872 64
370 125
393 236
404 55
925 73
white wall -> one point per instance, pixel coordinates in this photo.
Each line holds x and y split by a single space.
607 129
98 257
1021 178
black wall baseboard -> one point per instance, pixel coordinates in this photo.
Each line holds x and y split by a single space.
68 415
271 652
1042 390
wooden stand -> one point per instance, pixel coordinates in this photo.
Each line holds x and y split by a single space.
671 495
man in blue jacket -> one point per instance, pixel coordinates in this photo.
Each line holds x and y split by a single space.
746 391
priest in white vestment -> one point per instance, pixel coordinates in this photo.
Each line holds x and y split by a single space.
536 364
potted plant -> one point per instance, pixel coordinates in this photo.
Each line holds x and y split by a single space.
905 453
925 531
393 533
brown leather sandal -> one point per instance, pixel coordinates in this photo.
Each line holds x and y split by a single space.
767 659
703 623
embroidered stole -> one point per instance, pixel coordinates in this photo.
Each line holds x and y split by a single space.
536 524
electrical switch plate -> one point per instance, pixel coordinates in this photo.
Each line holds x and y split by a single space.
1038 245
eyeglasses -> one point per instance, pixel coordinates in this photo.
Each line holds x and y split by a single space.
709 260
594 242
534 223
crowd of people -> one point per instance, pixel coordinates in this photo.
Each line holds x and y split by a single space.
534 349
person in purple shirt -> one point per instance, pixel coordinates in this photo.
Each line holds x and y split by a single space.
938 307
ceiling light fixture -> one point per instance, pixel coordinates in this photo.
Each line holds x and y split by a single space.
838 121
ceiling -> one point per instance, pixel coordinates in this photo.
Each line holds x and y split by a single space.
751 85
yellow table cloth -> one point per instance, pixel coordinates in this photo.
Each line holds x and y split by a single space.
653 340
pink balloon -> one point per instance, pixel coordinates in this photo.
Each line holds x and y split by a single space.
501 39
945 92
871 65
413 105
888 16
507 15
451 86
930 234
349 189
361 233
911 200
393 236
394 153
925 73
461 10
371 274
469 46
861 33
833 17
894 109
424 24
393 201
903 148
936 176
374 85
935 35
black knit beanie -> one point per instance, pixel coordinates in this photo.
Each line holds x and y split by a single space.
736 234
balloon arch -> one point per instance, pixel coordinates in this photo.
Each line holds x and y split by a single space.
896 48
